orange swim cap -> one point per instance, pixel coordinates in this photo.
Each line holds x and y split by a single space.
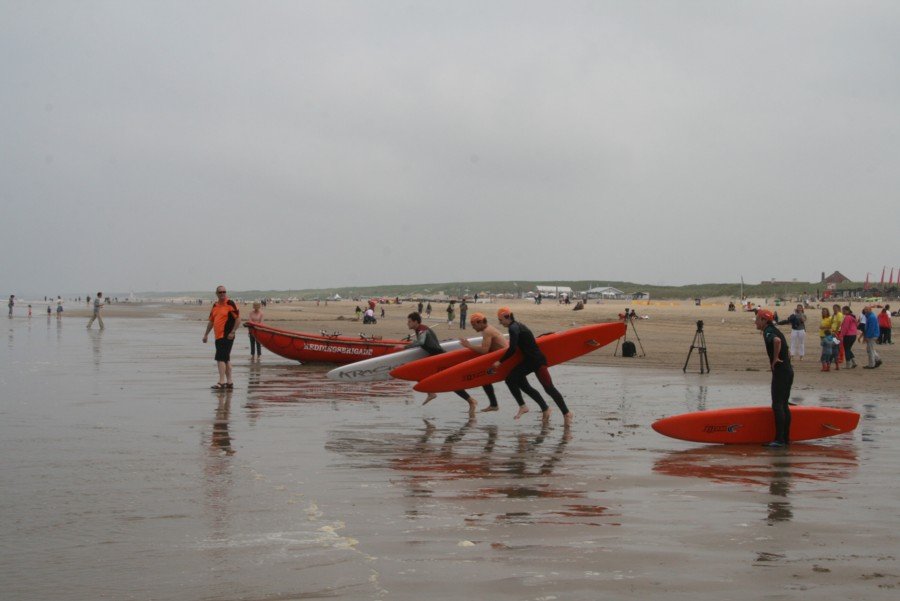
765 314
504 312
476 317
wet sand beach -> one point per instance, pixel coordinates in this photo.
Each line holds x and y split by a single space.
125 477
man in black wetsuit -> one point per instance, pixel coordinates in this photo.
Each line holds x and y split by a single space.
425 338
782 376
533 360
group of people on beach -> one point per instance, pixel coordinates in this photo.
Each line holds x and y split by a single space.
839 329
224 320
520 338
838 332
95 316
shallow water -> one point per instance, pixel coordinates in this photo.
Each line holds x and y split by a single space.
125 477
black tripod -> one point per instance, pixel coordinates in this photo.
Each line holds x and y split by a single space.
700 338
630 319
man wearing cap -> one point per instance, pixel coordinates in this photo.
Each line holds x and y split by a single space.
491 340
533 360
426 339
224 318
782 376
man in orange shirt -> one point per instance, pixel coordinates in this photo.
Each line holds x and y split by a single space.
225 318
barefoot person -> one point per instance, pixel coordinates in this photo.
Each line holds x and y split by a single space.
491 340
224 318
426 339
533 360
782 376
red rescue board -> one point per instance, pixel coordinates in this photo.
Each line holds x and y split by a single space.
428 366
756 425
558 348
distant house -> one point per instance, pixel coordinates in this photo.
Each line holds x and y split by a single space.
605 292
836 278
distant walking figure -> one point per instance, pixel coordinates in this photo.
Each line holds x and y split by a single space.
98 304
12 301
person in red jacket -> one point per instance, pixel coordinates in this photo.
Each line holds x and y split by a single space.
884 324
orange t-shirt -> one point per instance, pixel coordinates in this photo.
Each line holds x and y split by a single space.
223 315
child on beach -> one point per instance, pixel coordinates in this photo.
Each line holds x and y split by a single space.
829 345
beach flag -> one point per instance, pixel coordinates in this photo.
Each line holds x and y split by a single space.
891 281
882 277
866 285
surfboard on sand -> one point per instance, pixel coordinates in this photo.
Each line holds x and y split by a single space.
755 425
379 368
558 347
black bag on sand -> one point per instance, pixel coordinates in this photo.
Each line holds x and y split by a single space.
628 349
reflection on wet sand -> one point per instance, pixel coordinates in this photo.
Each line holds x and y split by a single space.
747 464
292 383
218 480
436 465
96 337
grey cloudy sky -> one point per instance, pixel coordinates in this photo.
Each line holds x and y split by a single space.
274 145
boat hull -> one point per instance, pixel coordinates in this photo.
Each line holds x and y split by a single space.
321 348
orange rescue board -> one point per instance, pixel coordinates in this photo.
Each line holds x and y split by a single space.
558 348
428 366
756 425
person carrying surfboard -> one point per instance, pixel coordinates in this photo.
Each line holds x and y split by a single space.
491 340
782 376
426 339
533 360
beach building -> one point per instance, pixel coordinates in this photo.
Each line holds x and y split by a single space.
835 278
605 292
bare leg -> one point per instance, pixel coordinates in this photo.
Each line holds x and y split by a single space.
473 405
221 367
490 408
522 411
545 415
568 418
431 396
228 372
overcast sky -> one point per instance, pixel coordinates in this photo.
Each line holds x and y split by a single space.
276 145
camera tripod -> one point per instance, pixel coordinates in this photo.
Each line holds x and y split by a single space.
700 338
630 320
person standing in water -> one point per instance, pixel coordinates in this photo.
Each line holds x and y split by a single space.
782 376
224 319
491 340
533 360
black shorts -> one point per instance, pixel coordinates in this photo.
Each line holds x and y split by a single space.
223 349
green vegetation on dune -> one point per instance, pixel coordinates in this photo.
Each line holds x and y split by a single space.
456 289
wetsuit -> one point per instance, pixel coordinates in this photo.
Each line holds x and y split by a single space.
533 360
782 379
427 340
